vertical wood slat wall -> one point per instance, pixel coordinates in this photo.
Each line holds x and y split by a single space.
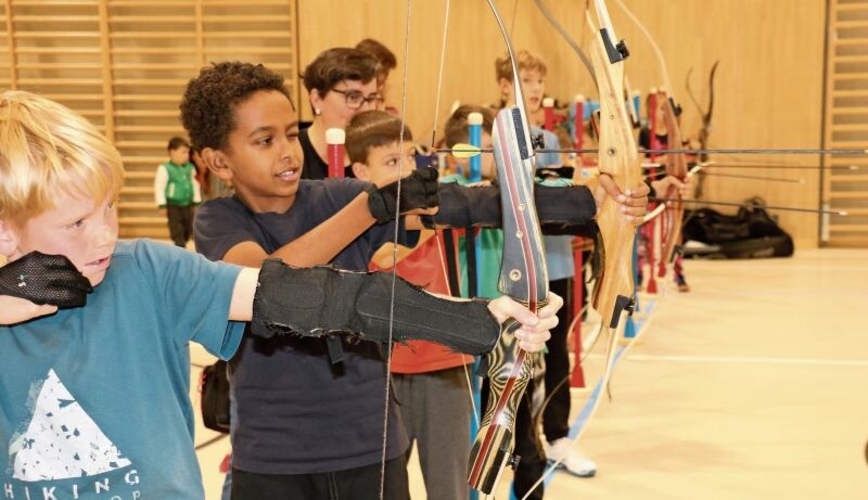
846 124
124 65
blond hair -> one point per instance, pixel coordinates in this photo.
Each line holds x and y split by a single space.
523 59
47 149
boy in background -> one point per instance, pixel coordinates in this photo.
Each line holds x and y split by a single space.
432 383
177 192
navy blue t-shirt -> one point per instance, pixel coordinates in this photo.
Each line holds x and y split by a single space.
297 412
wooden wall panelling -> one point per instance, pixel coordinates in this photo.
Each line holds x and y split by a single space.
769 82
8 78
260 31
156 47
153 55
124 64
56 52
769 85
847 123
768 91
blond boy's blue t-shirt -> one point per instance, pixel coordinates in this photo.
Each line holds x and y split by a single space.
94 401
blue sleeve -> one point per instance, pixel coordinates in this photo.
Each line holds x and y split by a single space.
194 294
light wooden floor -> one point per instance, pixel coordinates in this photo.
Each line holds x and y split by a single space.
751 386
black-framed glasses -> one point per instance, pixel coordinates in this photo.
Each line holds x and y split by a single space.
355 99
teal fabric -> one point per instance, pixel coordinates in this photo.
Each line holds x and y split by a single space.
94 401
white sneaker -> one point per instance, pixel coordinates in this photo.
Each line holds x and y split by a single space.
573 461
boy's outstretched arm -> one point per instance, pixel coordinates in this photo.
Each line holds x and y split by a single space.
283 300
561 209
318 246
321 244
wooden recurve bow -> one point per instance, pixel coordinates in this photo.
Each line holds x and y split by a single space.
523 276
614 294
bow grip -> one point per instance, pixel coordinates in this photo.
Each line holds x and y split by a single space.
510 369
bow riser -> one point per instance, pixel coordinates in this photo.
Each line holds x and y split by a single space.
523 274
524 277
619 159
510 371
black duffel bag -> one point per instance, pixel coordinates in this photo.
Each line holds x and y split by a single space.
749 234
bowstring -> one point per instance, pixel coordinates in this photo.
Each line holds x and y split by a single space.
440 78
395 250
440 248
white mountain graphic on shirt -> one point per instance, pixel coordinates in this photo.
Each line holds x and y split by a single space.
62 441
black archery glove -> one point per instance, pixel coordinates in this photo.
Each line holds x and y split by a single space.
418 190
45 279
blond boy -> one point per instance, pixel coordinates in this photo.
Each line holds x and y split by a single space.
93 399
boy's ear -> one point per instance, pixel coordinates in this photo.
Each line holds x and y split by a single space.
360 170
8 239
216 163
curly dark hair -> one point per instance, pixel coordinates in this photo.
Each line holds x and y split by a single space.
209 102
333 66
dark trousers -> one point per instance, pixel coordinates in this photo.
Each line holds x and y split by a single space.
556 415
180 223
362 483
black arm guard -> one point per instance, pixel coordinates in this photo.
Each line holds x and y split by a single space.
561 210
313 302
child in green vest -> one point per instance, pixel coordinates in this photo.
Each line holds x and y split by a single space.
176 191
